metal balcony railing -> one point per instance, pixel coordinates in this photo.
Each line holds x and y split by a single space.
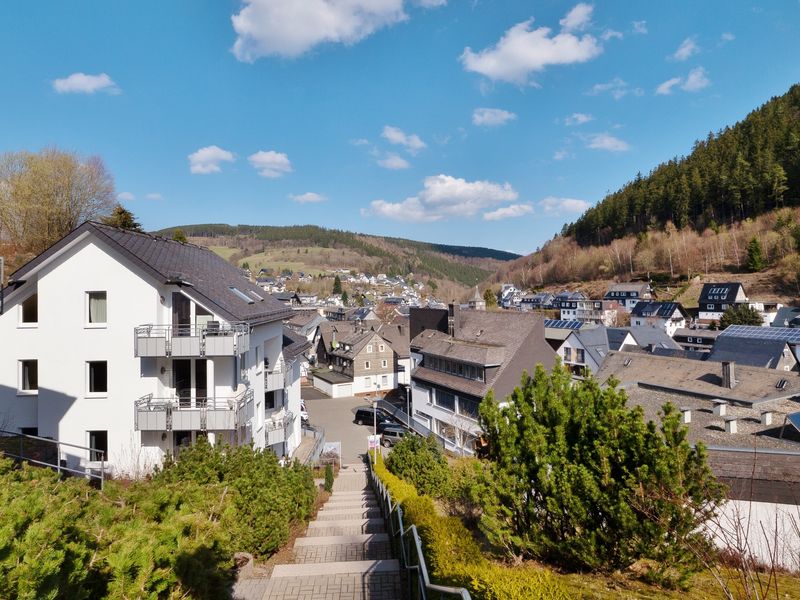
210 339
215 413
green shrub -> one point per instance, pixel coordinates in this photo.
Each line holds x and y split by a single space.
328 478
421 462
454 557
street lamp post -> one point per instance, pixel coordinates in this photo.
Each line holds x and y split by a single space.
375 429
408 405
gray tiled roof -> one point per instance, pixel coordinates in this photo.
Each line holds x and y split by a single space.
754 352
293 343
207 276
652 336
663 310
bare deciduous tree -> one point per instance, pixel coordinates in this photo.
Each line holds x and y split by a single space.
45 195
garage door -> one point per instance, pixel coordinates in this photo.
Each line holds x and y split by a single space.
345 389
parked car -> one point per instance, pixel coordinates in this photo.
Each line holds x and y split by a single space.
393 434
365 415
303 413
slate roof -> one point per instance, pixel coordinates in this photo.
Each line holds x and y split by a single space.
629 287
206 277
754 352
652 336
293 343
719 292
598 341
787 316
520 336
661 310
396 333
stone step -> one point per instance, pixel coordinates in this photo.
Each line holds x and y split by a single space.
353 586
365 493
336 568
343 504
348 527
347 515
361 538
372 550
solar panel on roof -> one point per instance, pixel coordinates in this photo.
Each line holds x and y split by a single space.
794 419
753 332
562 324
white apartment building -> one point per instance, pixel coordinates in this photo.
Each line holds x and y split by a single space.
136 345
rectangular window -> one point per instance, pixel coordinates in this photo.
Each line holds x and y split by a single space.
29 376
96 306
579 357
445 400
468 408
369 348
384 380
384 364
98 377
568 354
689 339
368 382
381 348
709 307
446 431
366 364
243 365
98 442
30 310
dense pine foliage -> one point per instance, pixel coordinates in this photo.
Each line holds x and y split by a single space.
739 172
172 536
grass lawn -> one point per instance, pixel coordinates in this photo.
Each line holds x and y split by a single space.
224 251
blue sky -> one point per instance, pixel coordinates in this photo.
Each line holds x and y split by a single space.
482 123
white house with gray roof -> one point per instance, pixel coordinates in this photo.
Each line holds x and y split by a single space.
135 345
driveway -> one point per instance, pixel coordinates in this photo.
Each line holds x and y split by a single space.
336 415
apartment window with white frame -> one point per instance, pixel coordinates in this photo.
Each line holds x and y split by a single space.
369 348
96 309
384 380
366 365
384 364
28 377
381 348
97 377
98 442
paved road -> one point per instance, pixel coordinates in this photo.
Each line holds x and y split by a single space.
336 416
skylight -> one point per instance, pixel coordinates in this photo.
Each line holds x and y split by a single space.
254 295
242 295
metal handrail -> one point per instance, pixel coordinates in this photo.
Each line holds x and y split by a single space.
86 472
409 536
283 422
150 402
189 330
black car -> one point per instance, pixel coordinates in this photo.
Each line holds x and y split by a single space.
366 415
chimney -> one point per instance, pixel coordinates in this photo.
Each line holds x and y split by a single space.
454 319
728 374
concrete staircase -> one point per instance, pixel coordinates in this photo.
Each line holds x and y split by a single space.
346 553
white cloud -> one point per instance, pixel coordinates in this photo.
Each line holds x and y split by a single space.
577 119
560 154
153 196
394 162
290 28
618 88
444 196
430 3
554 206
81 83
207 160
696 80
522 51
359 142
508 212
577 19
394 135
727 37
609 34
125 197
666 88
687 49
307 198
639 27
270 163
491 117
604 141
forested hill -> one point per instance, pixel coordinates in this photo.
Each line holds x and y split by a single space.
463 265
739 172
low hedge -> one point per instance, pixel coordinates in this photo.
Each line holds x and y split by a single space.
454 557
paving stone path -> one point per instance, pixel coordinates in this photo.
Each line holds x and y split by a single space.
346 553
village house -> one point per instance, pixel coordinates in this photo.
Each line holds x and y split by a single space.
460 355
696 340
629 294
135 345
716 298
666 316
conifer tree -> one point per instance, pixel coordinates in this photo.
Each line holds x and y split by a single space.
755 256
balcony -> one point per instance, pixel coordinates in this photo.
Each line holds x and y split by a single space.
209 339
196 414
278 427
